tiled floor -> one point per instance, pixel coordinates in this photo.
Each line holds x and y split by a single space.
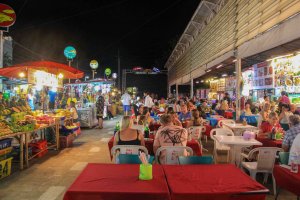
48 178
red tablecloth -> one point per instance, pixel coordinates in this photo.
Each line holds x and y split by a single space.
228 114
149 145
114 182
269 143
208 182
287 180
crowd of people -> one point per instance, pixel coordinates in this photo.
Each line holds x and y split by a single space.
176 115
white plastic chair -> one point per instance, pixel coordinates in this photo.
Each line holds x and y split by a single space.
206 122
217 145
195 132
127 149
265 162
228 121
172 153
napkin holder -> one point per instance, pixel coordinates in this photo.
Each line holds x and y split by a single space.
248 135
145 172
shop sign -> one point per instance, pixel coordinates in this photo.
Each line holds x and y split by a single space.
70 52
247 82
221 85
230 83
214 86
94 64
263 75
42 78
107 71
7 16
287 73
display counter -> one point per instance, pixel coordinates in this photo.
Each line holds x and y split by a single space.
87 116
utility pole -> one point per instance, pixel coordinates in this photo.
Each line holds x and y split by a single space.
119 70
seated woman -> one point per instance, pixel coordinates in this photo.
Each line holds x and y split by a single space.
270 127
146 113
247 110
284 116
265 112
127 135
196 118
175 119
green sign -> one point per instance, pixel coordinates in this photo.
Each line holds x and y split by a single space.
107 71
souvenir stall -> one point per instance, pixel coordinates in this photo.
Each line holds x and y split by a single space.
86 97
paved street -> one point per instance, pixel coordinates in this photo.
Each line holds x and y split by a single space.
48 178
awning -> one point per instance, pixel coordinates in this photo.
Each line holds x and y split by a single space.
48 66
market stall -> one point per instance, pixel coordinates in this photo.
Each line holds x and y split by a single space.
86 96
24 133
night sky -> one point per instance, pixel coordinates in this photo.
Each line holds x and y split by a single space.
144 31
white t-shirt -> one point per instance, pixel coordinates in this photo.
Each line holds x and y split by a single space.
126 99
148 101
295 149
75 115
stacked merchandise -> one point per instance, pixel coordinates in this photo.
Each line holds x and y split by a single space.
68 130
5 157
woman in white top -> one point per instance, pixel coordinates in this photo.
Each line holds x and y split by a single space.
284 117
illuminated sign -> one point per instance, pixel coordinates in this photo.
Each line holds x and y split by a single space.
7 16
94 64
42 78
107 71
70 52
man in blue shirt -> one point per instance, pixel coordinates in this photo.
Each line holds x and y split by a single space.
185 114
52 96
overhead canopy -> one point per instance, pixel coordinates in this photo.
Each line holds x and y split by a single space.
48 66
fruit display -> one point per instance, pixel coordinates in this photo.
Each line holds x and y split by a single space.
44 119
63 113
4 129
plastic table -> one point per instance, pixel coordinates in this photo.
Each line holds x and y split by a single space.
236 144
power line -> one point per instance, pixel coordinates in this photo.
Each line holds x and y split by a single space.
74 15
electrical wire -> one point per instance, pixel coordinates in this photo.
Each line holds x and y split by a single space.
74 15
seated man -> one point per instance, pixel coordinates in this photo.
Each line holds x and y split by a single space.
291 134
295 149
169 135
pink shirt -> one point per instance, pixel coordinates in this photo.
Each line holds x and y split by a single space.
284 99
